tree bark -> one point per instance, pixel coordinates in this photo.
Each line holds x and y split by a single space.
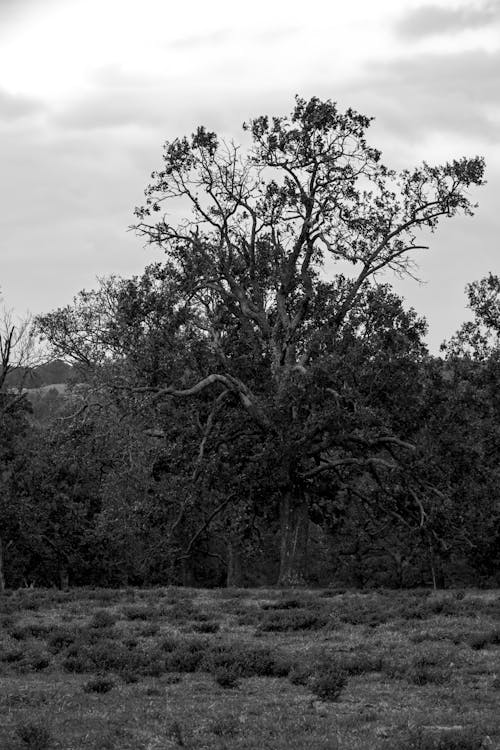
63 577
234 575
2 577
187 572
294 530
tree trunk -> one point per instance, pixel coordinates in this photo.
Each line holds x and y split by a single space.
294 531
63 577
234 575
2 578
187 572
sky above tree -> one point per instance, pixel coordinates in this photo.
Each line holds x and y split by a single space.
90 90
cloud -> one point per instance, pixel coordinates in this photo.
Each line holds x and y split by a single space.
431 20
448 93
14 10
14 107
195 41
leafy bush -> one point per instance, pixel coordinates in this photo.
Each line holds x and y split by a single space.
286 604
100 684
103 618
421 674
10 653
226 676
282 621
29 630
34 735
35 658
224 726
184 655
449 739
61 638
139 612
327 684
246 660
362 663
479 641
300 673
206 627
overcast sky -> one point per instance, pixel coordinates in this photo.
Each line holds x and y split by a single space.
90 90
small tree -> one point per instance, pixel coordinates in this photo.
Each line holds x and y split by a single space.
17 358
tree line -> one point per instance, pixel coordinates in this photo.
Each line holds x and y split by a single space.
260 406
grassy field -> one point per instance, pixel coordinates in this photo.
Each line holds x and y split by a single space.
265 669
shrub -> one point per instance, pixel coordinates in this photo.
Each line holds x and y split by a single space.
61 638
300 673
139 612
149 629
11 653
286 604
247 661
449 739
206 627
35 658
185 655
34 735
226 676
328 683
103 619
100 684
355 664
283 621
82 656
479 641
421 674
24 632
224 726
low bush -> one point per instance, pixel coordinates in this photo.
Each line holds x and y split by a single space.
184 655
282 621
61 638
100 684
421 674
35 658
103 618
224 726
226 676
34 735
479 641
246 660
27 631
206 627
139 612
328 682
447 739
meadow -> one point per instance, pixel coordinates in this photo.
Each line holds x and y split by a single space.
244 669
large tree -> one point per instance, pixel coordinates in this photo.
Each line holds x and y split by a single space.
250 322
262 224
